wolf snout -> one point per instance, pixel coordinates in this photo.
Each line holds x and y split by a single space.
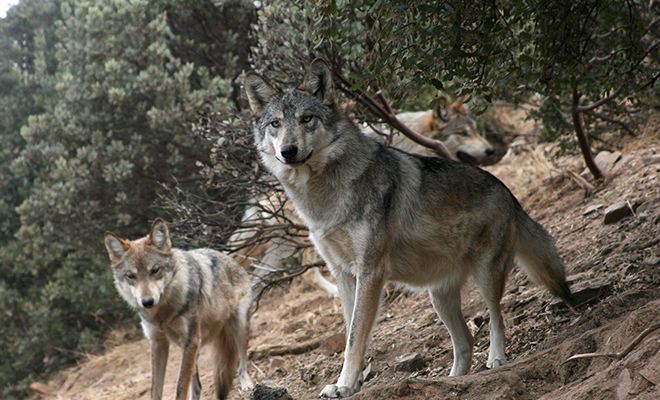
148 303
289 152
490 151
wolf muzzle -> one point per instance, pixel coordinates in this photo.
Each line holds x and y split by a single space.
289 154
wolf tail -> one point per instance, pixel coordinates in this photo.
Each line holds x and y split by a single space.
536 252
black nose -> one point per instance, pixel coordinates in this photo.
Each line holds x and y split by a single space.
147 303
490 151
289 152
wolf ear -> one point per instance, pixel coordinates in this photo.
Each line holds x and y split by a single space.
259 91
159 237
457 106
116 247
318 81
440 109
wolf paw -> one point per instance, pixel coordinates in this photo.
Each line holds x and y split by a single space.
246 384
498 362
337 391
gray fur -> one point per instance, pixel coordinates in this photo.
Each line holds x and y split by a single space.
191 298
376 213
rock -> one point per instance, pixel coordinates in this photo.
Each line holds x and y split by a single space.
652 261
646 208
651 372
277 362
652 160
605 161
334 344
262 392
625 384
592 208
622 163
616 212
588 292
409 363
370 372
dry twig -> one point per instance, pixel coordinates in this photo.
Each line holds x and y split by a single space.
619 356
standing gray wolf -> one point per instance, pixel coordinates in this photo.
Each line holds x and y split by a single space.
191 298
453 125
376 213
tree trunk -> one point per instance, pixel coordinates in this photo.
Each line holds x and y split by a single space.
578 123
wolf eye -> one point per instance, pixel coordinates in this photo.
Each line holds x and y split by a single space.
130 276
275 124
155 270
306 119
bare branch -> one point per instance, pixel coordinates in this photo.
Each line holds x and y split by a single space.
628 349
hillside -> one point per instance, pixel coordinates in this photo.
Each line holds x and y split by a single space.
615 268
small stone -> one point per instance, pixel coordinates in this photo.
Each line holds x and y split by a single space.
605 161
277 362
370 372
334 344
652 261
588 292
592 208
648 207
616 212
652 160
262 392
409 363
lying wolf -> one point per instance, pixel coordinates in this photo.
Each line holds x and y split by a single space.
376 213
453 125
190 298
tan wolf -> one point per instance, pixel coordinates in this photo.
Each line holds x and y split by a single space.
268 255
376 213
191 298
453 125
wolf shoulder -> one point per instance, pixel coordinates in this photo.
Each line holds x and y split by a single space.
221 268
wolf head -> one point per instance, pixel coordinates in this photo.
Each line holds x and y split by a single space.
296 127
142 268
458 131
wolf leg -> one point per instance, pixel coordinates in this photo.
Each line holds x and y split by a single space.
491 280
367 299
346 285
242 336
314 275
188 360
195 386
446 300
160 348
225 354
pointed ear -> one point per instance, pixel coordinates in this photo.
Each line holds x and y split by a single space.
318 81
440 109
259 91
457 106
116 246
159 237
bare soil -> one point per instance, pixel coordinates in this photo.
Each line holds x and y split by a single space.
619 262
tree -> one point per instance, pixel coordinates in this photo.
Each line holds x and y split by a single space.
510 49
127 80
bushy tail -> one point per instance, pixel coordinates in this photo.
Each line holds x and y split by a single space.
536 252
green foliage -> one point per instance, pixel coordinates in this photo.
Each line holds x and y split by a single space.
101 96
507 49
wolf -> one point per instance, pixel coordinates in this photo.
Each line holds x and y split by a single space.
269 254
451 124
376 213
191 298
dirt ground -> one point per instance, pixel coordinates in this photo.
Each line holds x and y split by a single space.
614 267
